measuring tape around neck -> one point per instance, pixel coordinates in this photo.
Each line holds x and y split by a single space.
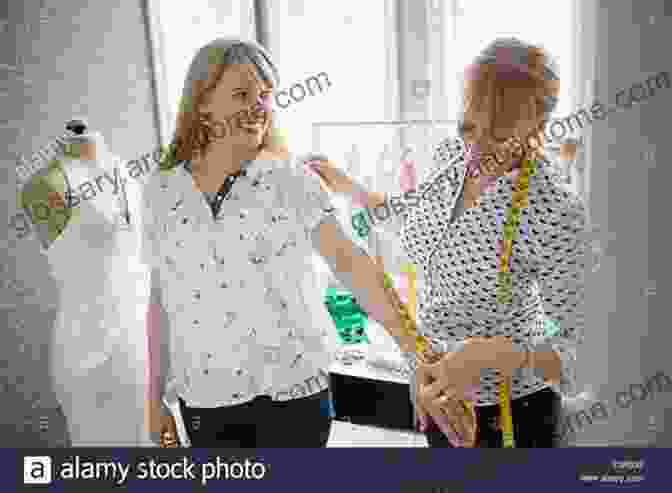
504 284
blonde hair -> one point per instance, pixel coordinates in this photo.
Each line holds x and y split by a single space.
504 77
193 135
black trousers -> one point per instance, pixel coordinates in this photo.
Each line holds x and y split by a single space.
262 422
536 423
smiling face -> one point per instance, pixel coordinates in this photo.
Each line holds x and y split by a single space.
225 109
238 108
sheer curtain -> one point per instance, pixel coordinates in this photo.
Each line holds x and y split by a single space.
474 23
360 46
178 31
349 41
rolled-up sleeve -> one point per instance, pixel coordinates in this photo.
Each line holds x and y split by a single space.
562 253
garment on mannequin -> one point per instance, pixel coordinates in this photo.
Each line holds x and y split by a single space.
90 363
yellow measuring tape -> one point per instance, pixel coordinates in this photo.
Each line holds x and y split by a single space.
407 312
504 285
504 295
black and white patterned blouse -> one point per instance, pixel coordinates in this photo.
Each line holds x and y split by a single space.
238 283
456 251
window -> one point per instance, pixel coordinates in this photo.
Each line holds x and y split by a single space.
346 41
474 23
179 32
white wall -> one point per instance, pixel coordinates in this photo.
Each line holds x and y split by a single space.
84 58
628 338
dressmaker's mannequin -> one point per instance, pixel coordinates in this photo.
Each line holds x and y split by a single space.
88 243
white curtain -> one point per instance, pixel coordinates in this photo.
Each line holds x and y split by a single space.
474 23
360 46
349 41
356 48
178 31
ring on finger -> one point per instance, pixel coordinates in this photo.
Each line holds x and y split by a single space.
444 399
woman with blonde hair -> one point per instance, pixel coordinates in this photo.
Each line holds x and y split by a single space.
500 241
230 223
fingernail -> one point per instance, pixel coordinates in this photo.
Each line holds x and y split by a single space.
454 440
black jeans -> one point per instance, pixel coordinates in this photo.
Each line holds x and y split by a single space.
536 423
262 422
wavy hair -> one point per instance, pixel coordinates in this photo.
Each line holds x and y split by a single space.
194 132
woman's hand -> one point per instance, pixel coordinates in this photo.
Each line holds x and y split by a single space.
455 421
168 432
460 371
448 410
334 178
423 378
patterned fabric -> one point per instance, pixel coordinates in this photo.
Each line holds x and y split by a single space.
458 258
246 315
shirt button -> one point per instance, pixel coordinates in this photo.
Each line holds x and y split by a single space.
196 322
202 266
206 371
197 295
223 285
209 355
179 243
185 220
239 372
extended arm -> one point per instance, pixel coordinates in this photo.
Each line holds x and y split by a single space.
357 271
